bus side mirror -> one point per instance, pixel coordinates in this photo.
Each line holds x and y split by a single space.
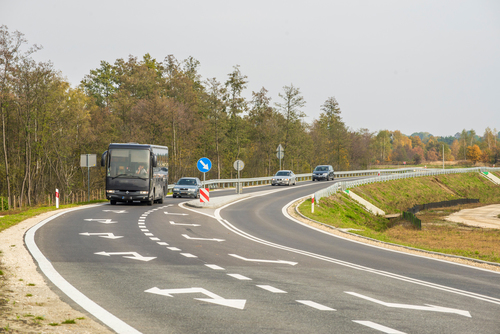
103 158
154 162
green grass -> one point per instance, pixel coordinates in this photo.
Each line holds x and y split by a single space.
68 322
437 234
399 195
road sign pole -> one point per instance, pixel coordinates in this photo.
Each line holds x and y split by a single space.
239 184
280 153
238 165
88 178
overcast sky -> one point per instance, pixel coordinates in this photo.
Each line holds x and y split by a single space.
430 66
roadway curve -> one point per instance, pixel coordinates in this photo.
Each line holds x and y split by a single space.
247 268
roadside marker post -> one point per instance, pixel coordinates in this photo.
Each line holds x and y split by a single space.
312 204
57 198
204 195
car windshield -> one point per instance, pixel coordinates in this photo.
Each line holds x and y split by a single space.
321 169
186 182
283 174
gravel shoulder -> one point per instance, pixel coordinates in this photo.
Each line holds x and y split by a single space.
27 304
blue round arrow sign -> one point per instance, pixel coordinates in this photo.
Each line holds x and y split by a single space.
204 165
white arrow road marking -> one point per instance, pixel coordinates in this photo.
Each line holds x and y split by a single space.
429 307
177 214
204 239
205 166
134 255
378 327
103 235
215 299
267 261
171 222
101 220
315 305
115 211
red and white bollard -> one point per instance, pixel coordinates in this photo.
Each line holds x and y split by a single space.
204 195
312 204
57 198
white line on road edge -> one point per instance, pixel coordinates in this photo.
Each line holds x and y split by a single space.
49 271
378 327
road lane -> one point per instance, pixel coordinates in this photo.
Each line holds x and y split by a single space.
310 296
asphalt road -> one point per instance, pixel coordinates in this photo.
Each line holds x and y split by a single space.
247 268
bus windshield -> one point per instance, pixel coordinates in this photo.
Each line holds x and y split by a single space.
128 163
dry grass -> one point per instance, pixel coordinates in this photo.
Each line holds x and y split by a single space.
436 234
443 236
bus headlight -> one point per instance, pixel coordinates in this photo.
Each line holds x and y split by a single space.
143 192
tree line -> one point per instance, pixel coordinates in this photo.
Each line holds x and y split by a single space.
47 124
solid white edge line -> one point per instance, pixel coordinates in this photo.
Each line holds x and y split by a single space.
50 272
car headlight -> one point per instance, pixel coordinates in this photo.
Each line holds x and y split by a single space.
274 179
325 174
176 189
110 191
143 192
286 179
191 190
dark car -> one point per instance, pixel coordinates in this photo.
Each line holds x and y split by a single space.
323 172
187 186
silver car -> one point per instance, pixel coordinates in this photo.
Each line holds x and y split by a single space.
187 186
284 177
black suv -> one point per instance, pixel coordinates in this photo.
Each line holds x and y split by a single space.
323 172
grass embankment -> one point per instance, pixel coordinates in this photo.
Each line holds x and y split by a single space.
436 234
13 217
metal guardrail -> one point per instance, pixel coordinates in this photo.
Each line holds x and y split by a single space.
372 176
231 183
389 175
